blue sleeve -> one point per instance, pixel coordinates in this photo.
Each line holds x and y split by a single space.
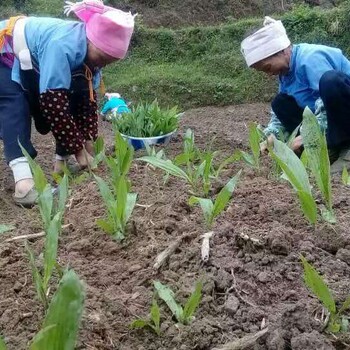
107 106
54 76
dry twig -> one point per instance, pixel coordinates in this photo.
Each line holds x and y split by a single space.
244 343
33 235
164 255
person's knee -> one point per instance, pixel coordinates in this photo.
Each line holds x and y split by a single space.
332 84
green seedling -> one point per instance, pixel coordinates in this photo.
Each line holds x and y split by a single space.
99 151
294 171
315 144
148 120
2 344
6 228
118 200
119 204
184 314
345 176
212 210
254 143
337 321
61 325
52 212
152 323
288 139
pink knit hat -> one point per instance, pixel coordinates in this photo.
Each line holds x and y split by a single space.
107 28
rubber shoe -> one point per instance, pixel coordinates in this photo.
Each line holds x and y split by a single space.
28 200
343 161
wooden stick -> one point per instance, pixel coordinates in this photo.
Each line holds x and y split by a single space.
33 235
244 343
164 255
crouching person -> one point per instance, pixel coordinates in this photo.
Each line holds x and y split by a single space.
313 76
114 107
49 70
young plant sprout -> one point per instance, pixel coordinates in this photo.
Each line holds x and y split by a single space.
118 200
212 210
345 177
153 322
294 171
184 314
254 143
193 166
336 321
316 151
61 325
52 212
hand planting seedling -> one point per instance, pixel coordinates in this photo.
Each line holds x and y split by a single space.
153 322
184 314
212 210
61 325
117 199
335 321
148 120
52 212
316 151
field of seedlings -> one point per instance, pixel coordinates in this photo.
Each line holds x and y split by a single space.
209 246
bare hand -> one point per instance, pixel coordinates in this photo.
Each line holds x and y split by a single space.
297 143
84 159
267 143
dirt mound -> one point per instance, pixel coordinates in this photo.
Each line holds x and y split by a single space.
249 283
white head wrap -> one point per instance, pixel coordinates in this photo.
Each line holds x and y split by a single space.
109 95
265 42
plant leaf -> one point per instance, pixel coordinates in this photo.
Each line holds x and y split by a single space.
296 174
345 176
155 316
62 194
63 316
51 245
345 306
138 324
167 166
37 278
317 154
40 180
106 226
2 344
130 205
207 207
167 295
6 228
225 195
192 303
317 285
254 142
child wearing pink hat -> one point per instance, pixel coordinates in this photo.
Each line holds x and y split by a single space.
49 70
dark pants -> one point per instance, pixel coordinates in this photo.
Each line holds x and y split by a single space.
15 119
334 88
18 106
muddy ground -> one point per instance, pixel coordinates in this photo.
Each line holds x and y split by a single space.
248 284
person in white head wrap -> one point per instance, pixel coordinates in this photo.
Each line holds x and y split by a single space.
114 107
314 76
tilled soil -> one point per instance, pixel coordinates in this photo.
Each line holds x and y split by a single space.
252 280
